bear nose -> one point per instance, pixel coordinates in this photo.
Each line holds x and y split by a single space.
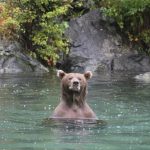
75 82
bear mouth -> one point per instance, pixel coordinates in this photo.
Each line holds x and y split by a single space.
75 88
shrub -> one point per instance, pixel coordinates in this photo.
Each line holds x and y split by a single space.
132 16
9 25
39 24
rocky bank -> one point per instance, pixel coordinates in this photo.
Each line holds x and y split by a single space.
14 60
96 45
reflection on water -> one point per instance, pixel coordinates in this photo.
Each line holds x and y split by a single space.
25 100
76 124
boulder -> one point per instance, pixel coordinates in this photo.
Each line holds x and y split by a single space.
14 60
97 46
145 77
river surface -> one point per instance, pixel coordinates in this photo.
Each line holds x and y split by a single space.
27 99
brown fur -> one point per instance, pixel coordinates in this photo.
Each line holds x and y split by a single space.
73 97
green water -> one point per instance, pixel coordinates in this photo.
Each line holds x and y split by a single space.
25 100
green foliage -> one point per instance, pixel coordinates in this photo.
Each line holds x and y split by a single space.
39 24
8 23
145 35
132 17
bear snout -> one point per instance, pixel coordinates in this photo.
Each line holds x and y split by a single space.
75 85
75 82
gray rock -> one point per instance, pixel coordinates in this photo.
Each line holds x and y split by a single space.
132 62
14 60
96 46
145 77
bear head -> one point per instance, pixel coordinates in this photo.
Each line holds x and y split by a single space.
74 86
74 82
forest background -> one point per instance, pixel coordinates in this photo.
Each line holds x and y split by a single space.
40 25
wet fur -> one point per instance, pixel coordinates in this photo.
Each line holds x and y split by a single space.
73 103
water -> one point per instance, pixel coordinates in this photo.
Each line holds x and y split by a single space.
26 100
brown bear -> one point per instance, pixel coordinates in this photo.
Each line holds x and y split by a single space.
73 103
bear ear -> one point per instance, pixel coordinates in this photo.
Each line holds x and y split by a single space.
60 74
88 75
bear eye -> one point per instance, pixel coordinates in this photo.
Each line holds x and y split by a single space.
70 78
79 79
